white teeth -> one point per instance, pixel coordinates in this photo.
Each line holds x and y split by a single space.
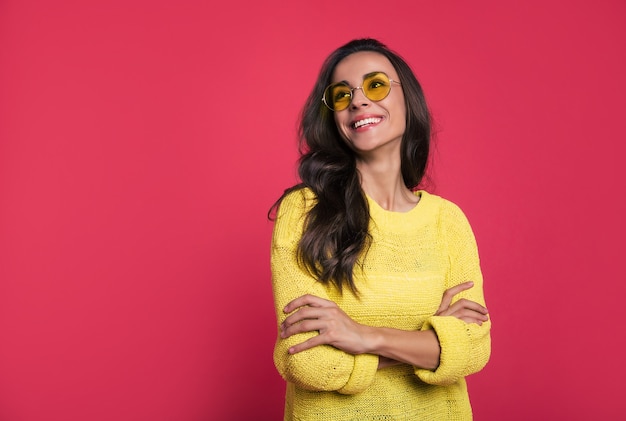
371 120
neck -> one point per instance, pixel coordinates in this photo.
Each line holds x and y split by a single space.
382 181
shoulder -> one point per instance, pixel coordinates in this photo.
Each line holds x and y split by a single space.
299 201
443 208
291 215
448 216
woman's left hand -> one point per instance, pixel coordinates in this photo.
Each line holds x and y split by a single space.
335 327
464 309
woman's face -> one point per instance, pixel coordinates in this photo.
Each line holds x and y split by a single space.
368 126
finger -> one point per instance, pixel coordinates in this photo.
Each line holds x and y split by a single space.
472 305
449 294
470 320
479 320
470 314
460 288
306 300
314 325
303 313
308 344
465 307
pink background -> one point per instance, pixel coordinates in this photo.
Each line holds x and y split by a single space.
142 143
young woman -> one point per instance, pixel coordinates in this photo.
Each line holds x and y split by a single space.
377 284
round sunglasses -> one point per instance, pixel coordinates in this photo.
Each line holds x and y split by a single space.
376 86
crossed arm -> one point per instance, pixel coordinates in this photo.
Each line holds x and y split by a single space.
421 349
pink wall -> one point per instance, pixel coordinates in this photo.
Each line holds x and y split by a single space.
142 143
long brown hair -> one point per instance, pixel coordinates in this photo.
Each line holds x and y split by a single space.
336 228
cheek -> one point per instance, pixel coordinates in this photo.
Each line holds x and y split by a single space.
341 128
401 117
402 122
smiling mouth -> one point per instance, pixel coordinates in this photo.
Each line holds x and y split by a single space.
366 121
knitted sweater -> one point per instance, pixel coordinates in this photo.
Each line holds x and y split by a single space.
414 257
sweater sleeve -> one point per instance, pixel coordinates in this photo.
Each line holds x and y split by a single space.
321 368
465 347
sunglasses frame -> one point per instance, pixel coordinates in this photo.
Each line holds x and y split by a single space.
355 88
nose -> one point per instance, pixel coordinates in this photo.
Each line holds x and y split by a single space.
358 99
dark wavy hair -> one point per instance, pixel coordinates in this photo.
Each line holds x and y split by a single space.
336 228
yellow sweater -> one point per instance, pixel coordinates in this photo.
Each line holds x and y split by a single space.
414 257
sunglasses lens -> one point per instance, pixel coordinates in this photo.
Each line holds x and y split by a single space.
338 96
376 86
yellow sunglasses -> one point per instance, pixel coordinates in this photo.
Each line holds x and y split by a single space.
376 86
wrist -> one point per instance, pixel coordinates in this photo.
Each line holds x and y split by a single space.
371 340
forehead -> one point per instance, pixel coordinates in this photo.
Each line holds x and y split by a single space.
355 66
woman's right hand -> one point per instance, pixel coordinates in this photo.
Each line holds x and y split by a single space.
464 309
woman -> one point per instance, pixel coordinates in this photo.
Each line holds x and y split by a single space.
377 285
